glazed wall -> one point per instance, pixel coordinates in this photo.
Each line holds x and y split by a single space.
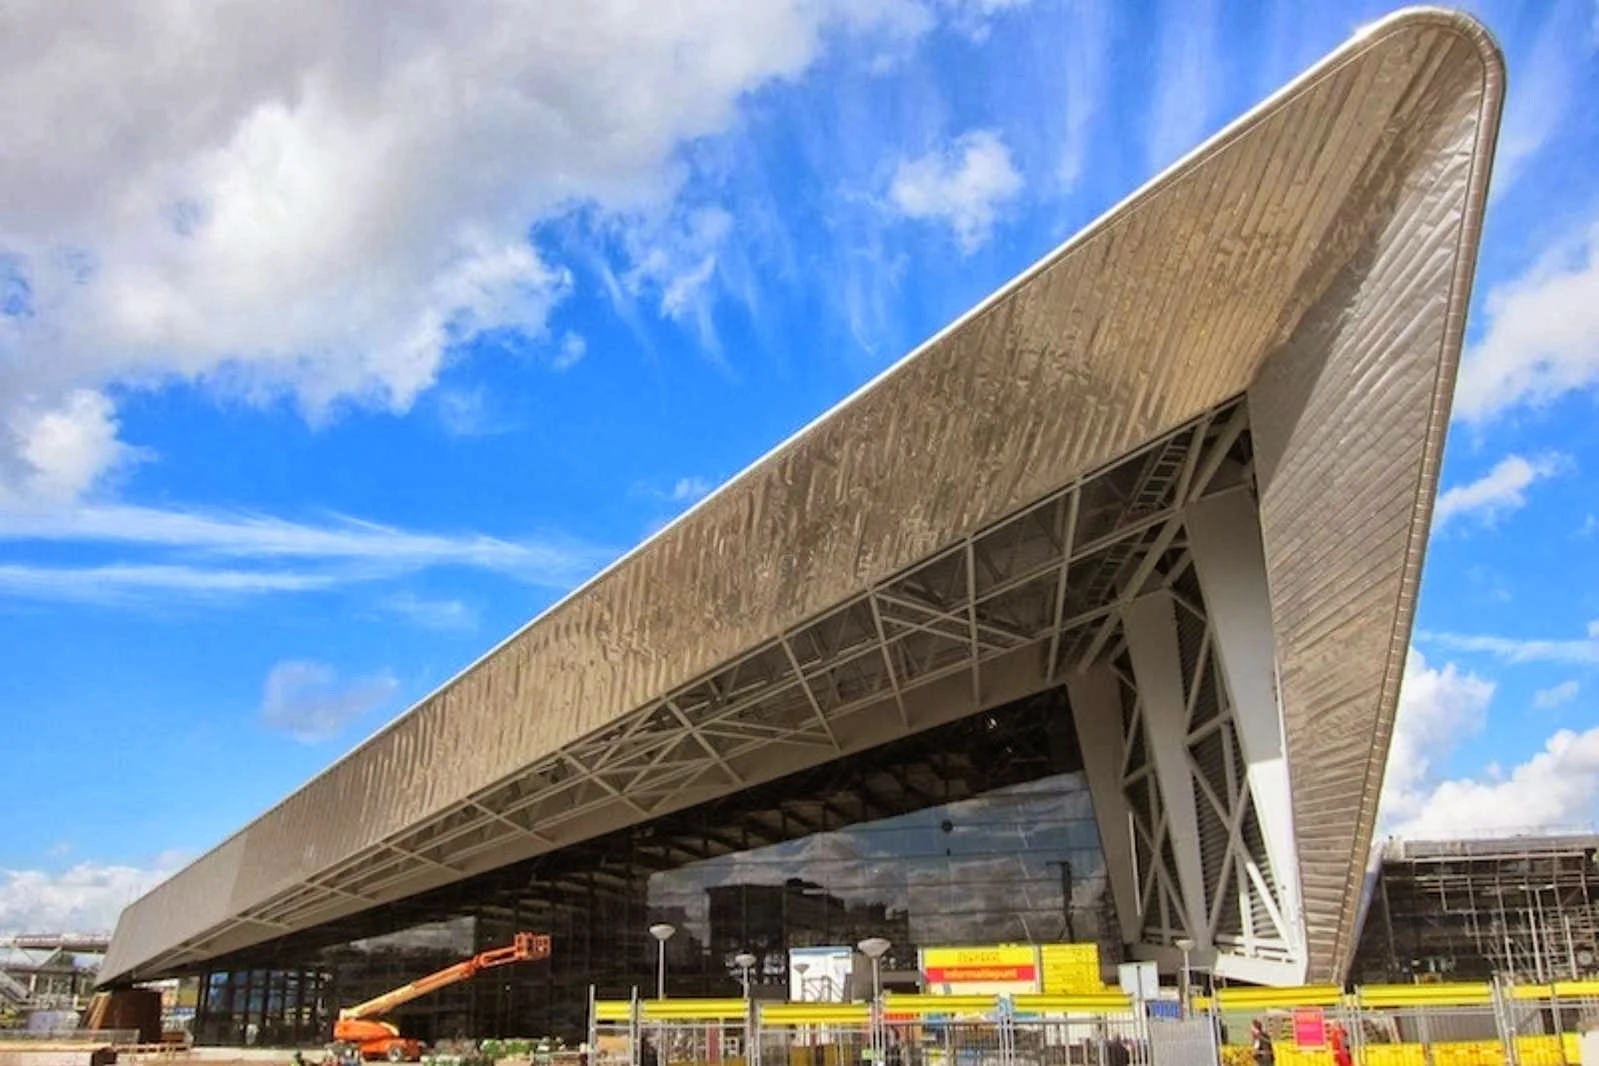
975 833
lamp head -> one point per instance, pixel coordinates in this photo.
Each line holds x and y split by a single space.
662 931
874 947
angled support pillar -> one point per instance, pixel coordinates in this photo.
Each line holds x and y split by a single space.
1095 697
1150 624
1224 536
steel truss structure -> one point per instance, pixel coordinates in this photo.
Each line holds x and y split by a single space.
1014 608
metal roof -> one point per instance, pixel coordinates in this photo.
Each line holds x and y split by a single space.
1317 254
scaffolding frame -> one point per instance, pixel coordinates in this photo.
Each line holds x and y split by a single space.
1520 908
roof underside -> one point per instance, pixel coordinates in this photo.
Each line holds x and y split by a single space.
912 548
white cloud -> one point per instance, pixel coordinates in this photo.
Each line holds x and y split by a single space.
471 413
964 185
1186 86
1556 789
1087 52
1501 490
1556 695
52 454
571 352
1539 98
1542 336
132 583
209 546
348 540
674 260
974 17
1520 650
83 899
308 701
689 489
1437 708
305 219
442 614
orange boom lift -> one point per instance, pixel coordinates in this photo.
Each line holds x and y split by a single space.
359 1025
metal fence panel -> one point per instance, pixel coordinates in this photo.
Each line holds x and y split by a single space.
1414 1025
813 1045
1182 1042
1080 1039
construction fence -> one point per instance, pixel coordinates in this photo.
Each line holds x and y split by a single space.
1391 1025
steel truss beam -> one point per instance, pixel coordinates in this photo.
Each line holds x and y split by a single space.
1053 576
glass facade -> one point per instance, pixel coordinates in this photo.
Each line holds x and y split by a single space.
979 832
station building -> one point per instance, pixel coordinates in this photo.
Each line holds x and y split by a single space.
1084 622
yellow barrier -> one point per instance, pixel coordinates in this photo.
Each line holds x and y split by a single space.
1558 990
1394 1055
1290 1055
921 1006
1087 1003
1577 989
1402 1000
1454 995
792 1014
1283 998
1548 1050
693 1010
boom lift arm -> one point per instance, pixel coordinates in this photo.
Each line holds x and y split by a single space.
378 1038
527 947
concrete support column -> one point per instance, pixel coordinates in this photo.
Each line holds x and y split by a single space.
1150 623
1095 697
1224 536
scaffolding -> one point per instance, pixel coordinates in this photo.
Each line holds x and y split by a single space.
1520 908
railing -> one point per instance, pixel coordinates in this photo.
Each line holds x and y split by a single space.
1386 1025
98 1037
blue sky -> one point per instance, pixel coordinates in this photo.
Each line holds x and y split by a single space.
323 368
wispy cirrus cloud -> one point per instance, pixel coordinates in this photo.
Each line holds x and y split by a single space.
1542 92
1520 650
1555 695
1186 87
555 562
129 583
192 555
433 613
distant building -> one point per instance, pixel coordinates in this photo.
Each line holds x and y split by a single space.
766 920
48 973
1466 910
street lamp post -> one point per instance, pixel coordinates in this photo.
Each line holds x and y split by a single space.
662 932
1184 945
744 960
874 948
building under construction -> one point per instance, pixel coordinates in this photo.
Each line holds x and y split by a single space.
1467 910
